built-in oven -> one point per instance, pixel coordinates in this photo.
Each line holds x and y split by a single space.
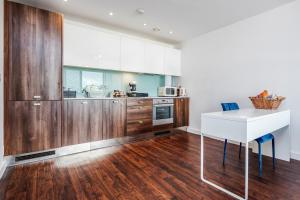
163 110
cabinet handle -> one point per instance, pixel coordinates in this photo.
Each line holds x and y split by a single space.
115 101
36 104
181 100
84 102
136 122
37 97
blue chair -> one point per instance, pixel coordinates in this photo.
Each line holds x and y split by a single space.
260 141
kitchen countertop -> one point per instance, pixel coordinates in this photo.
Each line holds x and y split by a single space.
103 98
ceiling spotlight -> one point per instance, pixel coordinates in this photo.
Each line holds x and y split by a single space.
171 32
111 14
65 0
145 24
140 11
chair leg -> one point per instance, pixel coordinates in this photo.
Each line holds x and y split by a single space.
240 150
224 153
259 159
273 152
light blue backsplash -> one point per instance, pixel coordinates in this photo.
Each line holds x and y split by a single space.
114 80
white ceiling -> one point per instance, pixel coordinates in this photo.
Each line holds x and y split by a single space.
186 18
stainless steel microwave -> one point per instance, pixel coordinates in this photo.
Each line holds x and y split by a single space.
167 91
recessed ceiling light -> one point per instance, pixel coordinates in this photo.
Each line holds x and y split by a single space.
65 0
145 24
111 14
171 32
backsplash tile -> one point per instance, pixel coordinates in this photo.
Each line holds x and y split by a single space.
113 80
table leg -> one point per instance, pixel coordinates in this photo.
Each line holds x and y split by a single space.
246 169
215 185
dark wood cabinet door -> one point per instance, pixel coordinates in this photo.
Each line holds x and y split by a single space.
34 55
114 118
32 126
82 121
181 112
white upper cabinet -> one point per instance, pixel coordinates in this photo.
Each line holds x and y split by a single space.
87 46
172 62
154 58
132 55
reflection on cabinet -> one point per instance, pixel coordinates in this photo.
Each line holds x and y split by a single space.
88 46
133 55
154 58
172 62
33 63
114 118
33 126
82 121
181 112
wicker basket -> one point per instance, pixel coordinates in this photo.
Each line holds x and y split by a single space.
263 103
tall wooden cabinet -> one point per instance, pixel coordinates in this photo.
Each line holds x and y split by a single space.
181 112
32 78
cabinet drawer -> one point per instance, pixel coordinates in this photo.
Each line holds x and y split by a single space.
139 126
139 112
139 102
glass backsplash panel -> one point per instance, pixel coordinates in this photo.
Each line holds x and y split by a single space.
75 78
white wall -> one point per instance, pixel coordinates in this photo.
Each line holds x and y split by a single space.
240 60
1 85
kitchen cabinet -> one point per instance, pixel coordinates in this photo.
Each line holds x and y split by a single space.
172 62
154 58
132 55
88 46
32 126
114 118
33 56
82 121
181 112
139 116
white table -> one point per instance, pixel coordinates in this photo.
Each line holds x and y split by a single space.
244 125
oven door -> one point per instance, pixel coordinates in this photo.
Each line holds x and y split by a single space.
163 114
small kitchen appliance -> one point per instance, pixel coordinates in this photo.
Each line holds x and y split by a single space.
181 92
167 91
163 110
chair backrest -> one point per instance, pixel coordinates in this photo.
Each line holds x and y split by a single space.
230 106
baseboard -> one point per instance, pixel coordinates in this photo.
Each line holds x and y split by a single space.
3 166
193 130
295 155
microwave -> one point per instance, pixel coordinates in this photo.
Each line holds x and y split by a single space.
167 91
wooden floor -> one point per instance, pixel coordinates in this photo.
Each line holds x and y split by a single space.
165 167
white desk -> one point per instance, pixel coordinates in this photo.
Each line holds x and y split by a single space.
244 125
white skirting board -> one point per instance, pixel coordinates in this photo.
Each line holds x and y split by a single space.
280 151
3 166
295 155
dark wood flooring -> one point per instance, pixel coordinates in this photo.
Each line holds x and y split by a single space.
165 167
